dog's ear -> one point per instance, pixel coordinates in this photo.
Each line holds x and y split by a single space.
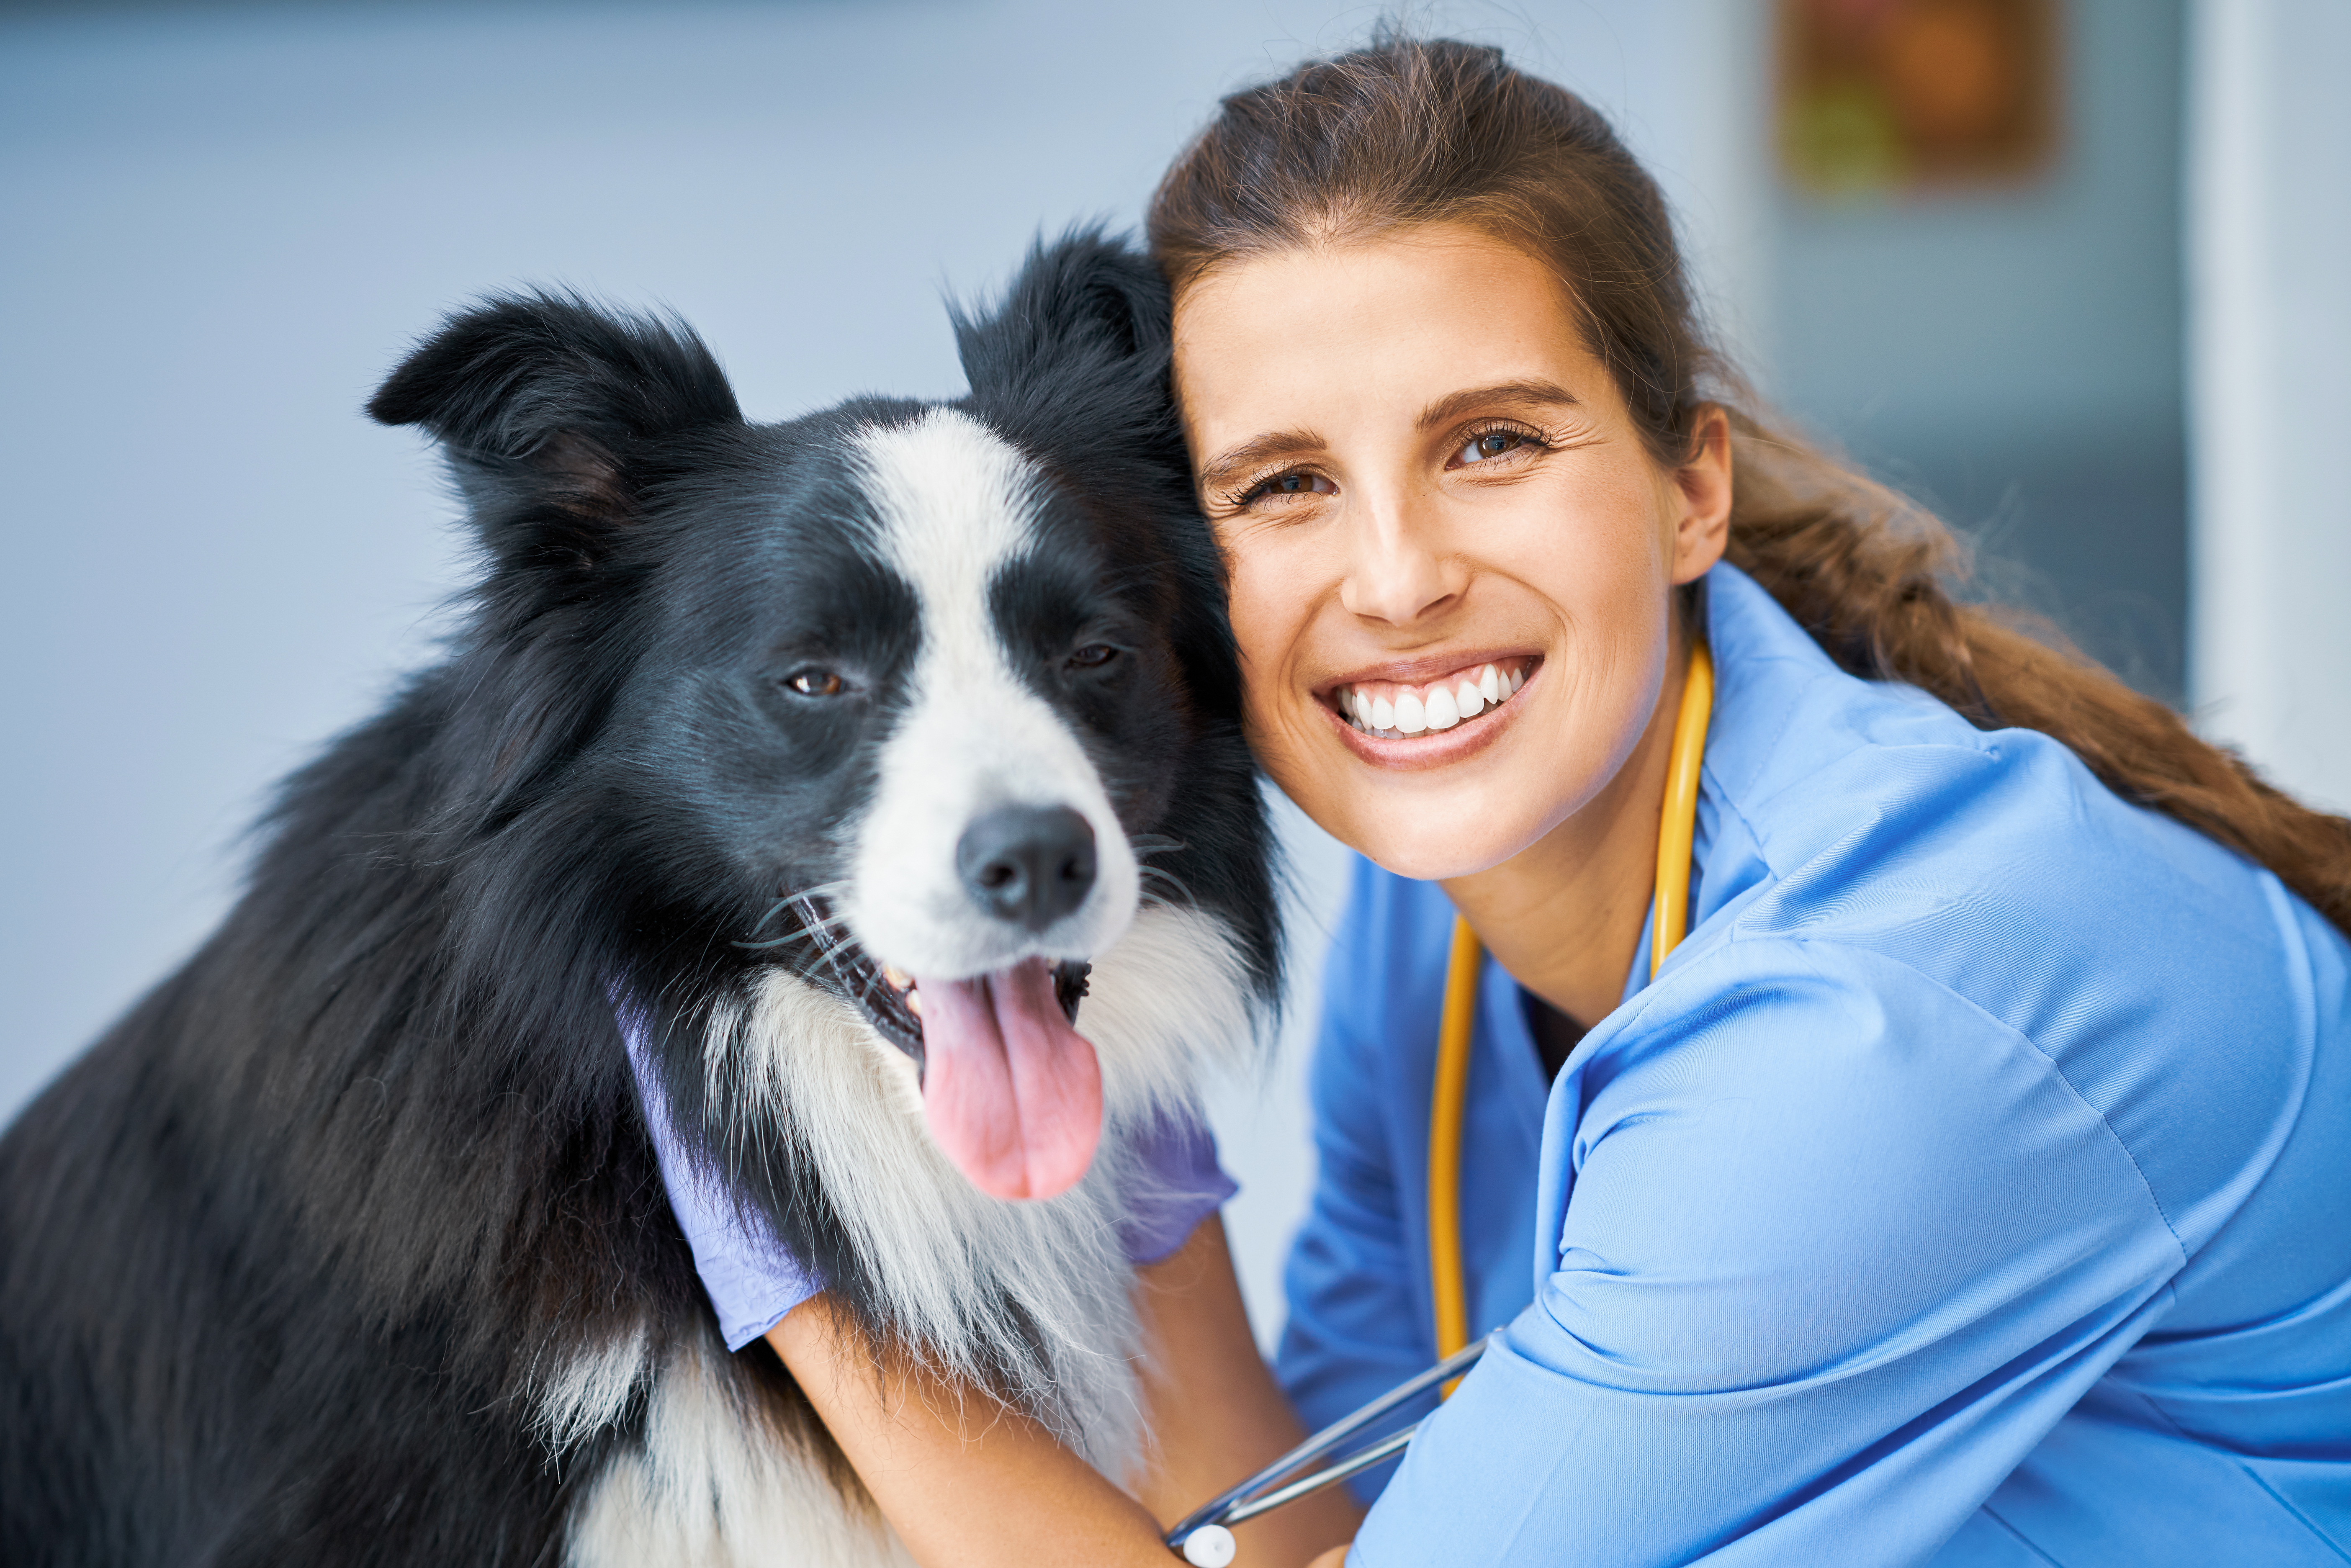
552 413
1084 305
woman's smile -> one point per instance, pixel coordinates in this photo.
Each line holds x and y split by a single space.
1398 708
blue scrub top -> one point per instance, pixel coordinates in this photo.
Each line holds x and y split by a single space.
1974 1185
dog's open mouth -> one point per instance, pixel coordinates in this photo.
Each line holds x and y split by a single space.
1011 1091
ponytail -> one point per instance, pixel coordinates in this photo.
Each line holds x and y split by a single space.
1869 575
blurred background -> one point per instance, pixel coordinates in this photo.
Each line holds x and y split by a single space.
2072 273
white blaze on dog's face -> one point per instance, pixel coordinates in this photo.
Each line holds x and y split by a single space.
956 503
991 849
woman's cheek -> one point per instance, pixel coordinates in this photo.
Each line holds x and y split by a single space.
1268 627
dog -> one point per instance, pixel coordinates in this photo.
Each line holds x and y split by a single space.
845 761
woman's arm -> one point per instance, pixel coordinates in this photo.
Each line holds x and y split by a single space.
963 1481
966 1482
1839 1249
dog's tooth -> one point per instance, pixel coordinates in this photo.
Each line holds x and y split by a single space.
1469 700
1489 684
915 1001
1410 717
1382 713
899 979
1440 710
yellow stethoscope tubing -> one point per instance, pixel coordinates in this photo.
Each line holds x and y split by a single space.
1668 923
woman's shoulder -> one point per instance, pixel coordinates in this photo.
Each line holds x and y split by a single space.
1874 810
1882 878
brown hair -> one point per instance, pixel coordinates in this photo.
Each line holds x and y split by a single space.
1411 131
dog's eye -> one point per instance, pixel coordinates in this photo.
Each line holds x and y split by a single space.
1094 655
814 683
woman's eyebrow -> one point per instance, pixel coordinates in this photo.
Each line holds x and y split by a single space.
1257 452
1453 405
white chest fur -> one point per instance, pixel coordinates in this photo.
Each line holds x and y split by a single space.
714 1484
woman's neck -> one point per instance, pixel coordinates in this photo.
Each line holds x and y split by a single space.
1563 916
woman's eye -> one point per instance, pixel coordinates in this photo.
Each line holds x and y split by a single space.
815 682
1094 655
1490 443
1292 484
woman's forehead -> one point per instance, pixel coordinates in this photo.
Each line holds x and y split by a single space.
1340 329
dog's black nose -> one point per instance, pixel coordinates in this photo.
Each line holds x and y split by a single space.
1027 864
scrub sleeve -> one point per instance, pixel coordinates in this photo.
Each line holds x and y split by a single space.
1790 1306
753 1279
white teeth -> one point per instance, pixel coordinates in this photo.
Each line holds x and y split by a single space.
1410 712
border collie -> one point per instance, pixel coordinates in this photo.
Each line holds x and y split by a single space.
849 759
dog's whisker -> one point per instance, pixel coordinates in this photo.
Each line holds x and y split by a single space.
1152 875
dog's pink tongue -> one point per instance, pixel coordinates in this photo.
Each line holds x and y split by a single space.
1012 1092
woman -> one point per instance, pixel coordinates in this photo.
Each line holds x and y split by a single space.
1970 1183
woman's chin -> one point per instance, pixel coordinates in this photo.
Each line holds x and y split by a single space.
1431 852
1432 826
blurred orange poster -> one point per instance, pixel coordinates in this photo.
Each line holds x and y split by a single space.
1885 96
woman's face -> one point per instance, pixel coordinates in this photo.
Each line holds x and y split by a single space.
1451 556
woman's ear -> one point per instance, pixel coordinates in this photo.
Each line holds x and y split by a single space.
547 407
1703 485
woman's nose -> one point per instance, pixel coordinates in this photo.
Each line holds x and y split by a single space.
1398 573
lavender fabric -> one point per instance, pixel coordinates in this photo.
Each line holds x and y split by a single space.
1182 1184
753 1279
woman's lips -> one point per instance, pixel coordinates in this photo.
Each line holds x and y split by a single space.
1395 710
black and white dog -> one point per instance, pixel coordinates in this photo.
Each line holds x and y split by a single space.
829 753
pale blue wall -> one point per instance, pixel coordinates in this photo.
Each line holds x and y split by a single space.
2015 357
2270 323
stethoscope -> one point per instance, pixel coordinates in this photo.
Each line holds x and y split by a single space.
1204 1538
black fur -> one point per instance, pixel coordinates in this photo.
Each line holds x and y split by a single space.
285 1255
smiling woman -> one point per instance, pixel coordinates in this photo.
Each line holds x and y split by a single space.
1906 1209
1459 497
